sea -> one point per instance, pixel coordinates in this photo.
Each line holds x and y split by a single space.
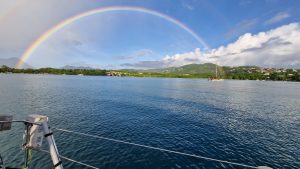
255 123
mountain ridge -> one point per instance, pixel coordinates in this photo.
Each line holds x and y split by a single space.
12 62
77 67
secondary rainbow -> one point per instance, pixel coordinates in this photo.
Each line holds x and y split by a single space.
28 52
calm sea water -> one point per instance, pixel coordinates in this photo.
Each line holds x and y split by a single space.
250 122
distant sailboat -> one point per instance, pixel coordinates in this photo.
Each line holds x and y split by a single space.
216 78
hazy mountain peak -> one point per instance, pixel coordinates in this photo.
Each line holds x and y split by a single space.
11 62
77 67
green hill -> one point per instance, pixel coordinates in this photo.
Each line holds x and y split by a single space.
208 70
203 70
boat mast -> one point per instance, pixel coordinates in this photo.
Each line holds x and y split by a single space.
216 71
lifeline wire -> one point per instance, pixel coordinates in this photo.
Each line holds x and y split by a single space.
69 159
155 148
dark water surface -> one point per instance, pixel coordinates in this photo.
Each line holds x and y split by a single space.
250 122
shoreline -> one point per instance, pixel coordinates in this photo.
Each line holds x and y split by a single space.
203 78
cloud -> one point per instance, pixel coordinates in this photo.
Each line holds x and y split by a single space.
84 64
22 21
241 27
137 54
188 5
272 1
70 38
245 2
277 18
146 64
170 61
278 47
142 53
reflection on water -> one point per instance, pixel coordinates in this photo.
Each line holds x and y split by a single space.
251 122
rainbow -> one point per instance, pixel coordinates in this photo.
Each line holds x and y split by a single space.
28 52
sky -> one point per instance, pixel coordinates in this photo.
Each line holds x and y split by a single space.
246 32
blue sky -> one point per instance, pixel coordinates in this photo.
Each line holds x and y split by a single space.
129 39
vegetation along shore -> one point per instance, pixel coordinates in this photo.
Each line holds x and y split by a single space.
187 71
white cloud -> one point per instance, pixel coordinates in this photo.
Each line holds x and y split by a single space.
137 54
278 17
188 5
278 47
241 27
